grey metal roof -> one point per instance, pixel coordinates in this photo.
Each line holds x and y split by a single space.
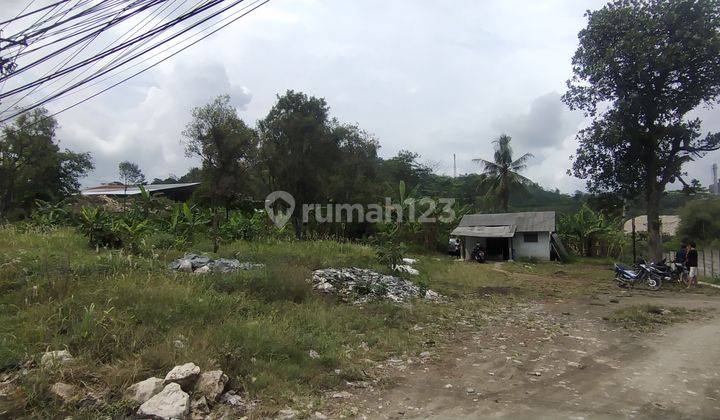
116 189
485 231
530 221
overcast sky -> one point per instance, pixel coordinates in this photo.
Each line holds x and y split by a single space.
433 77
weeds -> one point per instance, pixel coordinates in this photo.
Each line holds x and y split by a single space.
647 317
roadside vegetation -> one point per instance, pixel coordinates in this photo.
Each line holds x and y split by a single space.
648 317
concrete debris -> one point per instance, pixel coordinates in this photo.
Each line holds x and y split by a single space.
313 354
359 285
198 264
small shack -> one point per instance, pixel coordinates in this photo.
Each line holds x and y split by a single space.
508 236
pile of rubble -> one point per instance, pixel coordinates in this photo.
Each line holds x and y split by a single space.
198 264
360 285
185 392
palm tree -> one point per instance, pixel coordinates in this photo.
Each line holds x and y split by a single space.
502 173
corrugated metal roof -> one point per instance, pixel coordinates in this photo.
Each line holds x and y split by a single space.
530 221
485 231
132 189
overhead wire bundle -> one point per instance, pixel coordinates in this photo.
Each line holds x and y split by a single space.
74 50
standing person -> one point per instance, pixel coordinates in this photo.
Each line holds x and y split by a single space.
678 264
691 262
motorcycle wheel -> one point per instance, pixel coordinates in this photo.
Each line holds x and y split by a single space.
653 282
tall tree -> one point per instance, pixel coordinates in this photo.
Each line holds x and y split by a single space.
32 166
641 67
130 173
502 173
297 149
226 146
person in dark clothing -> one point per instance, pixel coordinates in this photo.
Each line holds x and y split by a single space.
680 256
691 262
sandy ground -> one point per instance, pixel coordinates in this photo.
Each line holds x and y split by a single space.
560 359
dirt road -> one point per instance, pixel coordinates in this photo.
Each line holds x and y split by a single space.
560 359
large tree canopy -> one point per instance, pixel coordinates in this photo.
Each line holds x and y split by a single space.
641 67
33 167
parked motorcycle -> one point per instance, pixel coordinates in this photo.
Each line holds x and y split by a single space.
644 273
478 254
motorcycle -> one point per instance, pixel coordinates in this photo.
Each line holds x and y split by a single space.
478 254
644 273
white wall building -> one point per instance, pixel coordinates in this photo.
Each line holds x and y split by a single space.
506 236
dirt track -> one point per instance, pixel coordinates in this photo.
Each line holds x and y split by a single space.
562 360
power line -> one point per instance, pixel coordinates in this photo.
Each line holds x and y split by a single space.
127 51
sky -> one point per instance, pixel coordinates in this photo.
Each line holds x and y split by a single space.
434 77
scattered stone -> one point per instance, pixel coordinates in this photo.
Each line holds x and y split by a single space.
287 413
425 354
470 391
359 285
232 399
448 386
342 395
535 373
313 354
319 415
185 266
183 375
357 384
170 403
193 263
211 384
65 392
409 261
57 357
404 268
144 390
202 270
575 365
199 408
664 311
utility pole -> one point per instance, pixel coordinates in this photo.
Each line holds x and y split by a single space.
454 166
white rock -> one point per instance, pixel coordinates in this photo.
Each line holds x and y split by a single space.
184 375
448 386
431 295
342 395
286 414
409 261
425 354
313 354
211 384
202 270
57 357
171 403
66 392
144 390
186 266
319 415
407 269
235 401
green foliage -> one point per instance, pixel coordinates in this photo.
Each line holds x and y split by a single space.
99 227
641 67
33 167
700 220
240 227
130 173
582 231
502 173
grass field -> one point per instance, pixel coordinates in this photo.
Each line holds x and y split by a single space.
126 317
